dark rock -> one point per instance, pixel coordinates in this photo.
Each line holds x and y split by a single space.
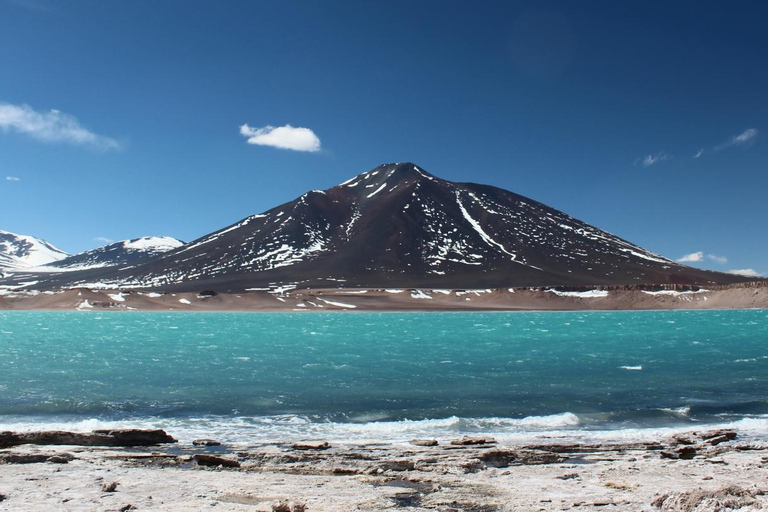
18 458
205 294
397 465
60 459
345 471
289 507
320 445
686 439
126 508
117 437
466 440
506 458
3 497
137 437
29 458
729 434
215 461
714 441
424 442
206 442
684 453
110 487
596 448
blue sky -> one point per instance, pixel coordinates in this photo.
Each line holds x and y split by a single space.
125 119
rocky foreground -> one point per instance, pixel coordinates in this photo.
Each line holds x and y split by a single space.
696 471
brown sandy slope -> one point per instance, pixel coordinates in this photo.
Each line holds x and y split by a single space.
742 296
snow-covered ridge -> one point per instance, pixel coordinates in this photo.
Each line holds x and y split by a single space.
153 243
126 252
24 251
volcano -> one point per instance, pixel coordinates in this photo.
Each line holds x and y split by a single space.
398 226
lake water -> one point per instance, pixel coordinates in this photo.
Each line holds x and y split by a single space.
256 377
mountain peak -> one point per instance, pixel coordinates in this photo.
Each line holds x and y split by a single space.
392 174
21 251
394 226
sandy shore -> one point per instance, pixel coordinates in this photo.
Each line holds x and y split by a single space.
743 296
702 471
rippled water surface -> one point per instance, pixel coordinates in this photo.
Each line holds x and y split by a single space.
375 375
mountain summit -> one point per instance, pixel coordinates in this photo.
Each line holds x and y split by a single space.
399 226
22 251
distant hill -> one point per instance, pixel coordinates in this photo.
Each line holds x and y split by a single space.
22 251
122 254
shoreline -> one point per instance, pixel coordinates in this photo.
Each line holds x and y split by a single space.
694 470
395 300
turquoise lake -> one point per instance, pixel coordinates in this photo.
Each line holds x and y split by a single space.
259 376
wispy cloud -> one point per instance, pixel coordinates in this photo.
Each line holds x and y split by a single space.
12 178
51 126
283 137
719 259
699 153
103 240
699 256
749 272
692 258
649 160
744 139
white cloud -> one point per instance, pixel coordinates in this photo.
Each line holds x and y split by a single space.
12 178
744 139
283 137
693 257
719 259
649 160
749 272
103 240
51 126
699 153
699 256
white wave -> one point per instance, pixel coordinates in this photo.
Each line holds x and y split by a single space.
637 368
680 411
564 427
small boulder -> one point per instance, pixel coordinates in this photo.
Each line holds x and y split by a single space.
506 458
467 440
424 442
683 453
318 445
110 487
215 461
64 458
723 432
206 442
289 507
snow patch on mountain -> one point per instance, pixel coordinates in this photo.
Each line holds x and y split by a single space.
153 243
24 251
